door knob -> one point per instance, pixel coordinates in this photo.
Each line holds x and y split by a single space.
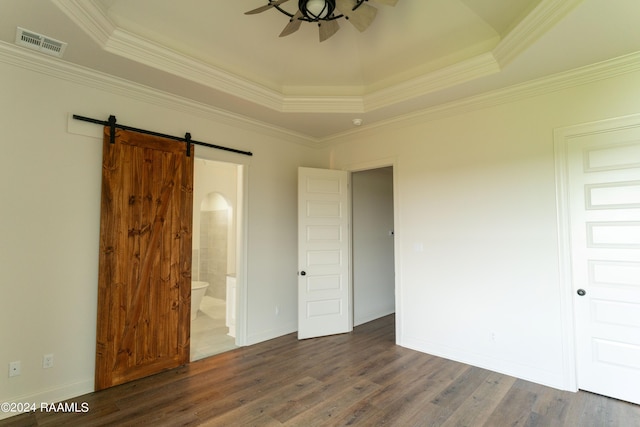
303 273
582 292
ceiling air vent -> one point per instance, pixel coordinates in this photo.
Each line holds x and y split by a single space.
36 41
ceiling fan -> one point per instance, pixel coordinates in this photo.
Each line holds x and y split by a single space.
326 14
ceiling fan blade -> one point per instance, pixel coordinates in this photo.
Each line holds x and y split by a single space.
266 7
387 2
293 25
360 18
327 29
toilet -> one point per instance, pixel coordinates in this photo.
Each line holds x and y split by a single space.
198 290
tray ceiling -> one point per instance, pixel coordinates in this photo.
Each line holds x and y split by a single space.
416 55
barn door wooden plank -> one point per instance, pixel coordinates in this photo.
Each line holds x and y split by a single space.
144 285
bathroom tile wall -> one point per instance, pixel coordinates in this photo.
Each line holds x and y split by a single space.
195 262
213 251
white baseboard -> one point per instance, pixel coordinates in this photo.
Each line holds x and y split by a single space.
368 317
506 367
271 334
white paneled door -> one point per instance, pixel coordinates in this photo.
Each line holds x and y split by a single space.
324 291
604 204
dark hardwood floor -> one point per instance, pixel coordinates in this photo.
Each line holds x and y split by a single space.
361 378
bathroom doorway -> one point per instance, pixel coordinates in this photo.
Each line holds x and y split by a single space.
216 216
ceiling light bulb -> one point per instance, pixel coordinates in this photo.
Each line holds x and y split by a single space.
315 9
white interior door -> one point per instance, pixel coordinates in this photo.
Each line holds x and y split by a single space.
324 289
604 204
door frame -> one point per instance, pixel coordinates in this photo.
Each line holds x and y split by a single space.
377 164
243 163
562 136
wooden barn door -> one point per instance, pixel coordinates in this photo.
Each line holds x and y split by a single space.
144 284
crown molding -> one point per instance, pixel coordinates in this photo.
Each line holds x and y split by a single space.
325 104
565 80
90 17
130 46
546 15
54 67
57 68
462 72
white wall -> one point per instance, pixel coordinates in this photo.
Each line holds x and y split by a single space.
50 212
476 220
477 231
373 260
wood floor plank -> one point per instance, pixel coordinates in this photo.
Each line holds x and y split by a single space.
478 407
254 412
515 408
460 389
625 413
312 402
356 379
550 407
401 403
332 410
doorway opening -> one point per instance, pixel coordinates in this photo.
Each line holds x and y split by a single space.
372 200
216 215
346 248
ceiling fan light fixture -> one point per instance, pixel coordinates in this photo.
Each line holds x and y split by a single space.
325 14
316 10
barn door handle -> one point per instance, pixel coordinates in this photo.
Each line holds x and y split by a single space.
582 292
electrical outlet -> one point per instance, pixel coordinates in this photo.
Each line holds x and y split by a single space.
47 361
15 368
